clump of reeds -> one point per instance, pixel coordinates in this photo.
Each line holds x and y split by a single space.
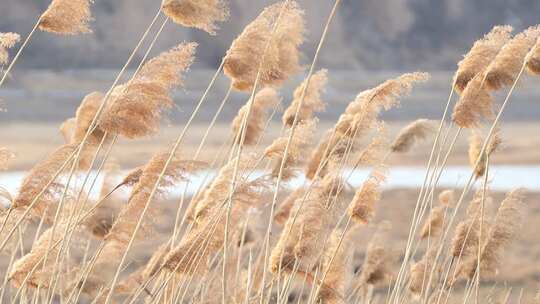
476 102
502 232
68 17
136 107
503 70
412 133
362 206
259 43
312 101
310 222
480 55
434 223
423 272
201 14
74 129
264 100
475 147
360 117
7 41
297 150
207 237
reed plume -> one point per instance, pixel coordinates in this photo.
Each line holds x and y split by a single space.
362 206
135 108
376 268
206 239
102 218
373 153
196 13
312 99
421 271
414 132
67 17
5 157
532 60
7 41
297 151
503 70
434 223
38 178
480 55
475 147
313 222
281 58
265 100
447 198
360 117
284 209
502 232
337 265
474 104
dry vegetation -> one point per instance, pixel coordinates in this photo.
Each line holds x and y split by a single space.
247 238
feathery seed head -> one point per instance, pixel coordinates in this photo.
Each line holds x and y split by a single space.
201 14
259 46
416 131
312 100
7 41
67 17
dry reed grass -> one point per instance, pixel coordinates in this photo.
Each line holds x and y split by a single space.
198 14
67 17
7 41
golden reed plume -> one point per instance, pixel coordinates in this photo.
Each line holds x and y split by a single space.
74 129
297 151
360 117
312 100
68 17
503 70
135 108
7 41
362 206
247 52
414 132
480 55
201 14
476 103
533 59
475 147
284 209
265 100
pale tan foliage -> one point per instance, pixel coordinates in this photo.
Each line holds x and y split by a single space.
360 117
201 14
67 128
474 104
259 43
414 132
310 222
312 101
337 265
421 271
480 55
5 157
284 209
502 232
373 153
38 178
74 129
67 17
135 108
376 268
447 198
206 239
7 41
264 100
533 59
475 147
102 218
434 223
503 70
362 206
298 148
